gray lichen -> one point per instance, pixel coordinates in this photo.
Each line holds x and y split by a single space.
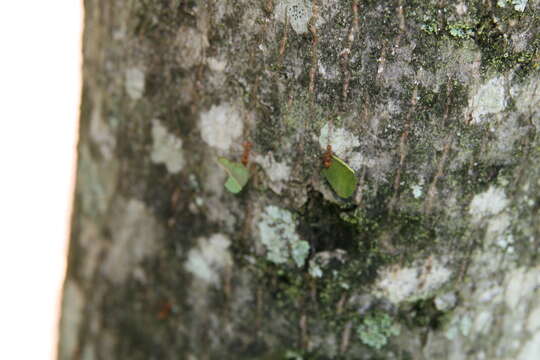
278 234
136 233
167 148
209 259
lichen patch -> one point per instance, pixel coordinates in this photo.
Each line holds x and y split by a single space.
135 234
531 349
277 172
519 5
489 99
520 283
446 301
221 126
482 322
190 44
533 320
167 148
417 190
91 241
342 141
527 96
207 260
97 181
498 231
298 13
488 203
100 131
277 229
134 82
399 284
216 64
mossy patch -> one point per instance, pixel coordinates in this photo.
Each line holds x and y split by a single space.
491 28
376 329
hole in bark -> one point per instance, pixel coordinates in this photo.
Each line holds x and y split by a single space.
422 313
322 226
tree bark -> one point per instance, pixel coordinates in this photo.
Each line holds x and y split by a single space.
433 104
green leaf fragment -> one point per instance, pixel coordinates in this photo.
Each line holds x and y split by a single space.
341 178
238 175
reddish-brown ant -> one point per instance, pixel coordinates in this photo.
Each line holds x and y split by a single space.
165 310
327 156
245 156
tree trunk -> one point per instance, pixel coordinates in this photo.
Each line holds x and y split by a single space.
433 104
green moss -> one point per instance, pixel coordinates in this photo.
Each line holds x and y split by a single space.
460 30
376 329
490 29
430 27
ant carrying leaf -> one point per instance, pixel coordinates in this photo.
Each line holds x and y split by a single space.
238 172
338 174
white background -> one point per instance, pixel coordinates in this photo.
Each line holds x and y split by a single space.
40 60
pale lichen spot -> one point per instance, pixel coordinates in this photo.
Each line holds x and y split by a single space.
298 13
342 141
497 231
72 308
299 252
167 148
519 5
315 270
190 44
533 320
216 65
277 172
452 331
520 283
90 240
465 325
135 234
328 71
322 259
101 132
531 349
416 191
221 126
97 181
489 99
488 203
527 96
399 284
482 322
508 133
461 8
357 160
446 301
134 82
277 230
209 258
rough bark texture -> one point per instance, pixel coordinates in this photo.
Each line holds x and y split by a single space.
433 103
